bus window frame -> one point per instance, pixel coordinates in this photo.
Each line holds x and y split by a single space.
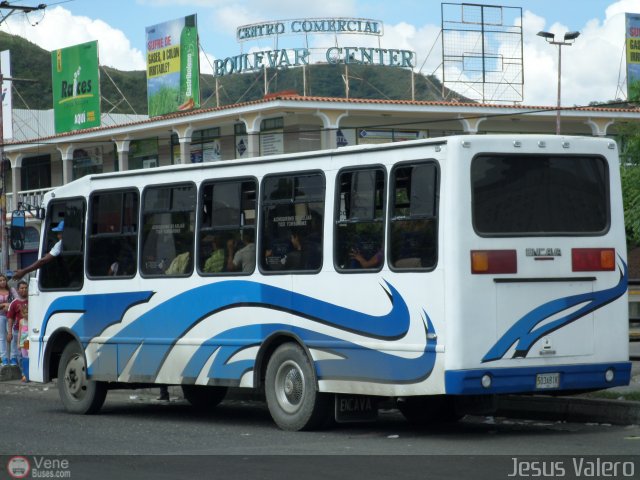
384 221
44 250
141 225
260 245
607 193
436 217
199 220
123 191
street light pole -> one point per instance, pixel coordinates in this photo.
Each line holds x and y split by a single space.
569 38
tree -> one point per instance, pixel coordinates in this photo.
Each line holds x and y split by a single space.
630 175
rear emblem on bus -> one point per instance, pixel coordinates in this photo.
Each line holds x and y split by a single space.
543 252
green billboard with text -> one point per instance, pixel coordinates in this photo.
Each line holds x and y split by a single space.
173 67
76 87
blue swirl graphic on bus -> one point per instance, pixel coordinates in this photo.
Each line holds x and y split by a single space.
354 362
174 317
525 333
98 311
142 345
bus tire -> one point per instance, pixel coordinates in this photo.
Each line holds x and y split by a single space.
77 392
203 397
291 390
429 410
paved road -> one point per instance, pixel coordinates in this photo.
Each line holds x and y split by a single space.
132 423
239 438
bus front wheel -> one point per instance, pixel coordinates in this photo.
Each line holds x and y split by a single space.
291 390
77 392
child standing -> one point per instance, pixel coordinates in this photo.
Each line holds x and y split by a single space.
23 341
15 315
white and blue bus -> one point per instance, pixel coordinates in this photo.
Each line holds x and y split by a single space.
437 273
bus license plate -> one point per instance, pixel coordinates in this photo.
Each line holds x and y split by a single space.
547 380
355 408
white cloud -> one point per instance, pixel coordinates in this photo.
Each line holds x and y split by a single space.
59 28
590 67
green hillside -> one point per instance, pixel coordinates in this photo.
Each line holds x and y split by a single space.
31 67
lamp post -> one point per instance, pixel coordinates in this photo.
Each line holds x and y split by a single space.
568 40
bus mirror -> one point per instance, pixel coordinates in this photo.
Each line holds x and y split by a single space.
18 223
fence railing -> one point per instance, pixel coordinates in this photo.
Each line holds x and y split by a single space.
28 197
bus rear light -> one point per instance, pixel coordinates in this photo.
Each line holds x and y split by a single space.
494 261
593 259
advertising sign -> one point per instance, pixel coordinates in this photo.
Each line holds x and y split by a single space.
272 143
173 67
76 87
633 56
7 120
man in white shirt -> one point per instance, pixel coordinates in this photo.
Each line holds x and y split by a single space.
55 251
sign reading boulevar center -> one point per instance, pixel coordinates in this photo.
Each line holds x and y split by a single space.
350 53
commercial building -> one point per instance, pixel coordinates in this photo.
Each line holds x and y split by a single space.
37 160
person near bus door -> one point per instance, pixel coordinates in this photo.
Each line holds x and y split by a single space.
55 251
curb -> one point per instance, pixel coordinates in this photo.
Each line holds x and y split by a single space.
570 409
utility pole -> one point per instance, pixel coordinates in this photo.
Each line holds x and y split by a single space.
4 244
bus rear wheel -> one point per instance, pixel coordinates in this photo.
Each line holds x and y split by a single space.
203 397
77 392
291 391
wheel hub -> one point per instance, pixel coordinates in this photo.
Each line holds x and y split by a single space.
290 386
74 376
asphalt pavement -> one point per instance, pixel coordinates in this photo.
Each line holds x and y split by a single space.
583 408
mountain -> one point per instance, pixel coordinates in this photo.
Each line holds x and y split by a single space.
126 91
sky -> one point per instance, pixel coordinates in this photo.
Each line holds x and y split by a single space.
593 68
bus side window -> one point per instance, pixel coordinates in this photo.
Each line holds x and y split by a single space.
112 243
66 271
413 222
293 212
227 227
168 226
359 219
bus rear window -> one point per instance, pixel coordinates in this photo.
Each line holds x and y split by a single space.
539 195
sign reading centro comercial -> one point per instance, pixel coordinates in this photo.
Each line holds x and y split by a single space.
76 87
361 26
295 57
173 66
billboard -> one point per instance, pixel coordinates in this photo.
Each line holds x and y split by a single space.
632 40
173 67
76 87
7 119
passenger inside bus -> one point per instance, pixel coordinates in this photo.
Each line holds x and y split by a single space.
358 260
215 262
242 258
180 264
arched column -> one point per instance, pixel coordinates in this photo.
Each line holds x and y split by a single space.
16 176
122 146
330 125
470 125
252 125
66 152
184 133
599 126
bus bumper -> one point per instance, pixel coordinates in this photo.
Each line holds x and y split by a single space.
547 379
